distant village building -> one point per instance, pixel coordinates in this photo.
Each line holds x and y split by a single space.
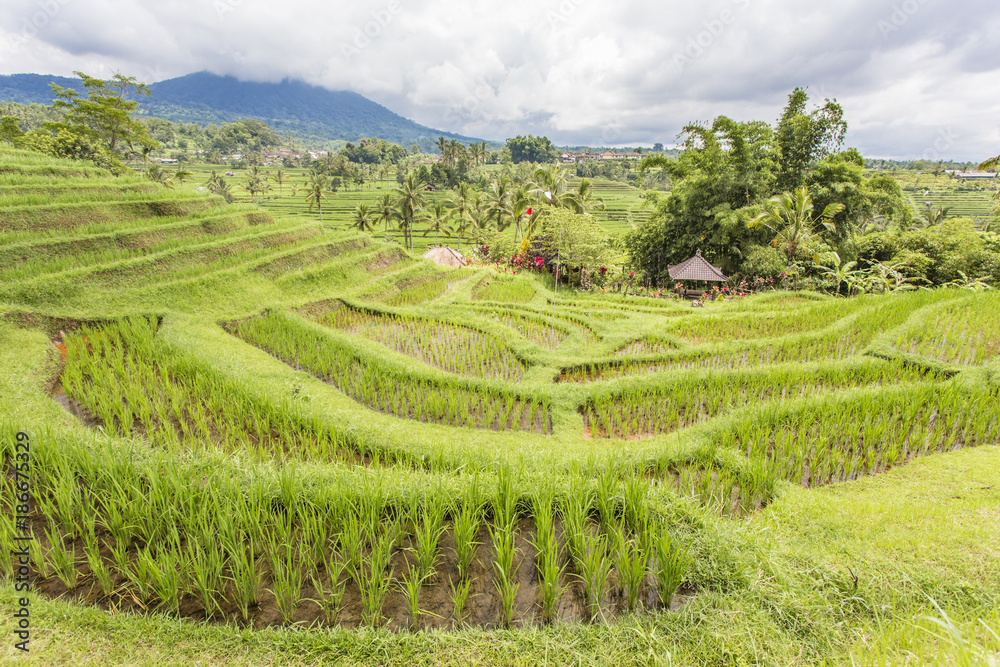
971 175
572 158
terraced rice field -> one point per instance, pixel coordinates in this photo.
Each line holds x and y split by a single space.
247 420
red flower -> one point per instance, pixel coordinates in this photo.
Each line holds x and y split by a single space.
528 211
631 274
539 261
604 270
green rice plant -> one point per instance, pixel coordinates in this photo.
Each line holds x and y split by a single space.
550 572
331 593
142 575
166 577
428 534
636 504
532 327
459 592
505 500
8 526
62 557
98 568
633 560
661 406
672 565
465 527
453 348
39 559
286 576
382 386
243 572
172 400
315 537
204 563
836 439
607 498
411 585
504 569
576 509
375 580
594 569
67 505
352 544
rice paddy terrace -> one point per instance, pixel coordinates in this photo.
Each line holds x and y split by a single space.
247 421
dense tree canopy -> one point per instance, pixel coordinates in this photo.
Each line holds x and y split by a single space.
531 149
727 172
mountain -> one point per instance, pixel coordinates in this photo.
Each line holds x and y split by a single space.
290 107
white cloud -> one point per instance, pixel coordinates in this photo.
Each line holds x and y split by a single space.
581 71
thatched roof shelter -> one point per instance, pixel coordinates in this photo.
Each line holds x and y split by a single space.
696 268
445 256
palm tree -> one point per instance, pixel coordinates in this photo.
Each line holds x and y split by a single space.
217 186
551 186
520 204
410 198
479 212
280 178
256 182
146 151
362 218
498 198
460 204
583 199
315 190
435 219
935 216
442 146
182 175
386 211
790 218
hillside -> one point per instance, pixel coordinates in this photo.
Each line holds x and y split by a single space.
290 107
254 440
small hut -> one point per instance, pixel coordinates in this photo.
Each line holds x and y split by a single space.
698 269
446 256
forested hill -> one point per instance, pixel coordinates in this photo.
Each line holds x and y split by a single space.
289 107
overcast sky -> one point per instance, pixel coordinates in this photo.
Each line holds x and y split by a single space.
917 78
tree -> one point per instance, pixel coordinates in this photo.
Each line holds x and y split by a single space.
571 239
410 198
386 211
436 217
790 218
106 114
256 182
460 205
498 198
280 178
362 218
10 129
804 138
531 149
583 199
315 192
217 185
